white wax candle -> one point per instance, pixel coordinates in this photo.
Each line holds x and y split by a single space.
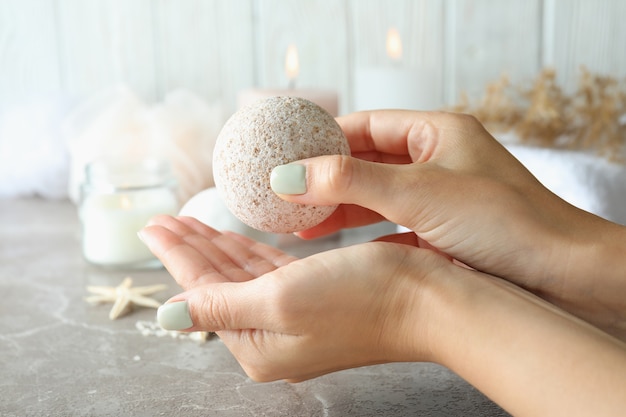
326 99
395 88
111 222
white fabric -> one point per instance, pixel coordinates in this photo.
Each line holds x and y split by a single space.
43 146
116 124
33 157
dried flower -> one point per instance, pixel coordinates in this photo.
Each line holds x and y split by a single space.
592 118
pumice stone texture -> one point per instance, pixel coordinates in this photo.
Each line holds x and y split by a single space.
261 136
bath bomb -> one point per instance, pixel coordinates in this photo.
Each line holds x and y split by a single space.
261 136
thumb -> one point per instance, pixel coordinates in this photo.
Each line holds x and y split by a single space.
211 308
341 179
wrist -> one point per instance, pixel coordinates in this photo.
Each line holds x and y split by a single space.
510 344
594 280
448 299
422 308
442 303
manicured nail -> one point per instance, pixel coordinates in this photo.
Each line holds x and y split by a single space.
174 316
288 179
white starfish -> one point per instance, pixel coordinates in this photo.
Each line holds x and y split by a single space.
123 296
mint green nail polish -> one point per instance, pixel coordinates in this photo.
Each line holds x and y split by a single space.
288 179
174 316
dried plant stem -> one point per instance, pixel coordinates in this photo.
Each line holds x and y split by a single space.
592 118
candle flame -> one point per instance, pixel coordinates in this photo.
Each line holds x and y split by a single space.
292 66
394 44
125 202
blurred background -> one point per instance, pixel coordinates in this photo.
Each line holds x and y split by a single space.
57 55
74 48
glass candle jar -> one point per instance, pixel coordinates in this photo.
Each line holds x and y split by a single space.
117 200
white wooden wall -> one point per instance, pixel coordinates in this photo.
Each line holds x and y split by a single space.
215 48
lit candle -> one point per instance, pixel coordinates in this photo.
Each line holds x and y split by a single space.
394 86
326 99
117 201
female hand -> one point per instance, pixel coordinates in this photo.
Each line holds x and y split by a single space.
447 179
296 319
284 318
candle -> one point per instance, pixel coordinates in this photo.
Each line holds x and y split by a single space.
395 86
117 201
326 99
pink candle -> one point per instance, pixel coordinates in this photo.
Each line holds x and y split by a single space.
326 99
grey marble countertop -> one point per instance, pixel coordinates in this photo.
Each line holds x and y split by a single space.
62 356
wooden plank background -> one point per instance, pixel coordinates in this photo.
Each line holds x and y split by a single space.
75 48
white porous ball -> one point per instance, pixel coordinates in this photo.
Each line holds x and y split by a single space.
261 136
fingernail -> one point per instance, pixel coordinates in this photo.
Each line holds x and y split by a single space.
174 316
288 179
140 236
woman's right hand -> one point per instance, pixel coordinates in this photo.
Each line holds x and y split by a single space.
446 178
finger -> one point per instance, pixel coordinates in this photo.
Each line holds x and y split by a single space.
346 216
182 228
256 260
421 135
227 253
393 191
196 256
376 131
215 307
393 132
187 264
277 257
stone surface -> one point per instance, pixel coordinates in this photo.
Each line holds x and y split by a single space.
60 356
261 136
